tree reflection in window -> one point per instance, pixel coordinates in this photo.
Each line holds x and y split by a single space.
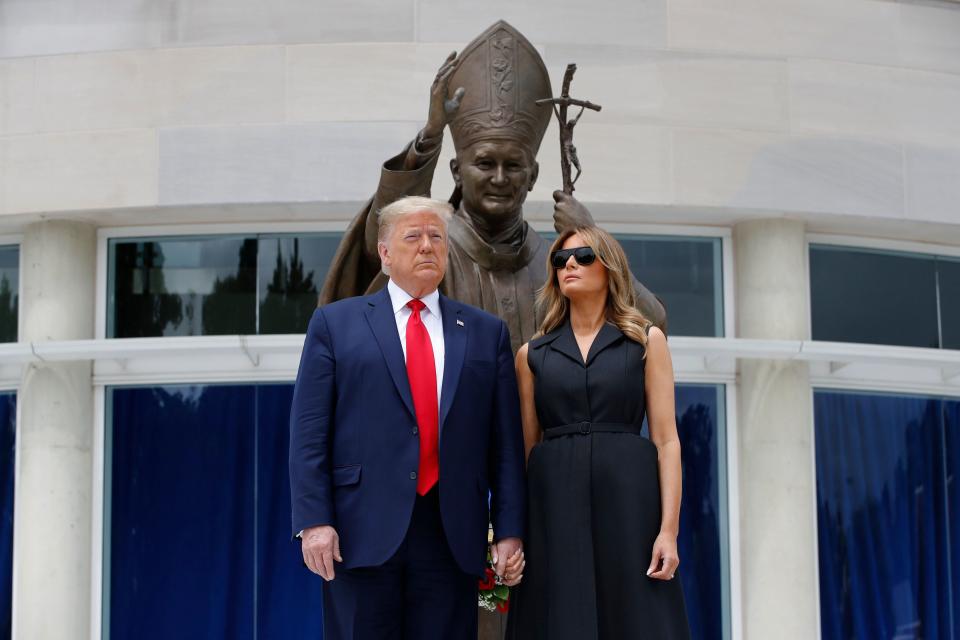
291 294
292 271
229 308
9 292
216 285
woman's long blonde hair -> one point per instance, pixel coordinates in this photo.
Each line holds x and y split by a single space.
622 309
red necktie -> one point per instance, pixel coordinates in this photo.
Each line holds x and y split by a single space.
422 373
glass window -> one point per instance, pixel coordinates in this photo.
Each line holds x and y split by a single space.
8 431
199 517
948 281
686 274
877 297
703 542
183 287
292 272
9 292
887 512
216 285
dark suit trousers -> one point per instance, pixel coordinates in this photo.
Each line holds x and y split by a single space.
419 594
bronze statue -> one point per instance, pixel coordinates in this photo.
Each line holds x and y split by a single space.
496 262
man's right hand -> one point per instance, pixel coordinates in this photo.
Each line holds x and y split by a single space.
321 546
442 109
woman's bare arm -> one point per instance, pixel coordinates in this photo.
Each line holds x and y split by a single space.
661 416
528 408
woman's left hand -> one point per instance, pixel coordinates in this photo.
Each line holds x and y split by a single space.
665 560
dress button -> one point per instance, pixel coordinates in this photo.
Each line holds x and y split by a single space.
415 431
413 475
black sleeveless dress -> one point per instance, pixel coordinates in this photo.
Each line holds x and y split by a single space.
594 501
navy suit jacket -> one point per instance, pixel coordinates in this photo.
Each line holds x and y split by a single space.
353 444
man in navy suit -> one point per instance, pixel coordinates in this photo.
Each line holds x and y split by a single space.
405 440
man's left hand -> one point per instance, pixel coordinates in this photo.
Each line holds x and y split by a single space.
508 560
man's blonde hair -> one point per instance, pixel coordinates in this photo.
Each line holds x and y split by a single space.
392 213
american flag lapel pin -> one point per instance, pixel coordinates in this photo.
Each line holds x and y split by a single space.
459 322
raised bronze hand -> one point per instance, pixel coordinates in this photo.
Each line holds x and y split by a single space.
441 108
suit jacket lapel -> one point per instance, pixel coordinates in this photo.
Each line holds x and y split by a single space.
455 349
384 326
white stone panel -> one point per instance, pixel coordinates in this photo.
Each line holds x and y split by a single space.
640 22
75 171
931 106
219 85
933 183
352 82
329 161
289 21
222 85
854 30
728 92
788 173
622 163
18 96
635 84
881 102
47 27
930 36
79 92
836 97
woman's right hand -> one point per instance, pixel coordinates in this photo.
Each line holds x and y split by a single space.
442 109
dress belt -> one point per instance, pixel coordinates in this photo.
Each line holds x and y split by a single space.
586 428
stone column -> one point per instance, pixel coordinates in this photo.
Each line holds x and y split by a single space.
52 525
775 433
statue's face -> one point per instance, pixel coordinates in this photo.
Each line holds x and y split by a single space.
416 252
495 177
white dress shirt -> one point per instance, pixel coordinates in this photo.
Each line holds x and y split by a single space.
430 316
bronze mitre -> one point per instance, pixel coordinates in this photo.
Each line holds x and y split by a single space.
504 76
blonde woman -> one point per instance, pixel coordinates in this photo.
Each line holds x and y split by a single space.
604 501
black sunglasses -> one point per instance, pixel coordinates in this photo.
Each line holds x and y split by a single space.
583 255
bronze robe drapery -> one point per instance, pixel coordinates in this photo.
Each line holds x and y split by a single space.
501 280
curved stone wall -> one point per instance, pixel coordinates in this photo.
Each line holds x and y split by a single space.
813 109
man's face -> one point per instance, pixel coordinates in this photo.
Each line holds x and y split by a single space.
494 177
416 252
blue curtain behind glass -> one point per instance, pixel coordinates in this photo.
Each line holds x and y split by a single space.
951 441
8 431
699 541
200 528
883 518
288 595
182 529
200 515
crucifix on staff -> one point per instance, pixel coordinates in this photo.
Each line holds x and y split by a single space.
568 152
